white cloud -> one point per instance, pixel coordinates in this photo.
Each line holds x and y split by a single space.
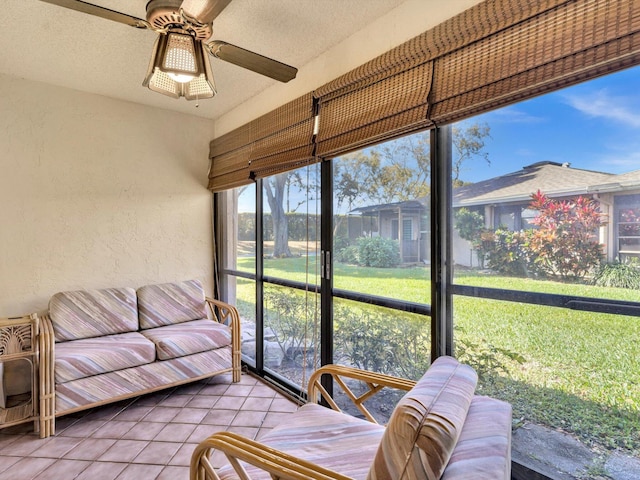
600 104
615 162
514 115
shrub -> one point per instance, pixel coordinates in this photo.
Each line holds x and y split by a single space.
618 274
378 252
348 255
564 244
507 254
396 344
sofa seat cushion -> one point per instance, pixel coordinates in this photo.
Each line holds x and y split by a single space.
331 439
483 451
425 425
173 341
93 313
94 356
170 303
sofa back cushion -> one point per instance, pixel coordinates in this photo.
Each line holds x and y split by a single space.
93 313
170 303
425 425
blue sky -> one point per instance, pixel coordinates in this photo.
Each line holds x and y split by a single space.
594 125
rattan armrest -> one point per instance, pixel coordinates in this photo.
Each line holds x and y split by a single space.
374 381
223 312
238 448
46 344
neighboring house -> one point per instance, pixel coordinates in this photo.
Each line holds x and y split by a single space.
402 221
504 201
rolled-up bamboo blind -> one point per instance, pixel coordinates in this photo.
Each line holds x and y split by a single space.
567 44
278 136
493 54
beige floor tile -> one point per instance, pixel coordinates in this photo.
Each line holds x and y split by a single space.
249 419
201 432
137 472
113 429
283 405
82 428
238 390
55 447
26 469
144 431
22 446
6 462
219 417
134 413
162 414
257 404
123 451
174 473
190 415
90 449
183 455
203 401
102 471
63 469
175 432
159 453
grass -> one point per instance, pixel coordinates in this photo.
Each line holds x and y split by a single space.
581 370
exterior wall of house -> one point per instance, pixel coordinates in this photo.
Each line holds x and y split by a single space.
96 193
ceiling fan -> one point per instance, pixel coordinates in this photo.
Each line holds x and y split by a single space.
179 65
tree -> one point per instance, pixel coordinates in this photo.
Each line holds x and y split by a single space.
470 227
275 188
398 170
468 142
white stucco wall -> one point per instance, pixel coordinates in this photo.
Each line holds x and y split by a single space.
97 193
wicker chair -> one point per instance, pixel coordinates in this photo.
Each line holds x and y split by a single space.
439 429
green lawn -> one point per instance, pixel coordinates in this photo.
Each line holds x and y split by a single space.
581 370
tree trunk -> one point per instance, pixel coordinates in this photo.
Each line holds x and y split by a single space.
275 196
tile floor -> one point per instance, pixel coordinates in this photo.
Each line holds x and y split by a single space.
149 437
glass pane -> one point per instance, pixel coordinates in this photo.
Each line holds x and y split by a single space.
245 302
291 333
381 220
381 340
237 216
291 223
538 207
578 372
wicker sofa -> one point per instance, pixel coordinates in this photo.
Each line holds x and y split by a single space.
101 346
439 430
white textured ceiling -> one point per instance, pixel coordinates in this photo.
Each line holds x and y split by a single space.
47 43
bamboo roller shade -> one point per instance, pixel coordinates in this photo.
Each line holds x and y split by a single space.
491 55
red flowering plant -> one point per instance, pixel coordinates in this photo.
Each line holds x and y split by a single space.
565 243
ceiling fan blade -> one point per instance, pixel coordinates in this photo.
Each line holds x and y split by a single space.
203 11
252 61
98 11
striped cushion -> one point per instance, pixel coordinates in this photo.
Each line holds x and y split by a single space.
331 439
93 356
170 303
186 338
426 423
93 313
114 386
483 451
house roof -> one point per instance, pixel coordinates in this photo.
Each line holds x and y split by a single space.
415 205
552 178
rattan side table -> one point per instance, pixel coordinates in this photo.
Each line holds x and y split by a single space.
18 371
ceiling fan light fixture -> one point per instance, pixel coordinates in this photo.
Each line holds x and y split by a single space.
180 67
